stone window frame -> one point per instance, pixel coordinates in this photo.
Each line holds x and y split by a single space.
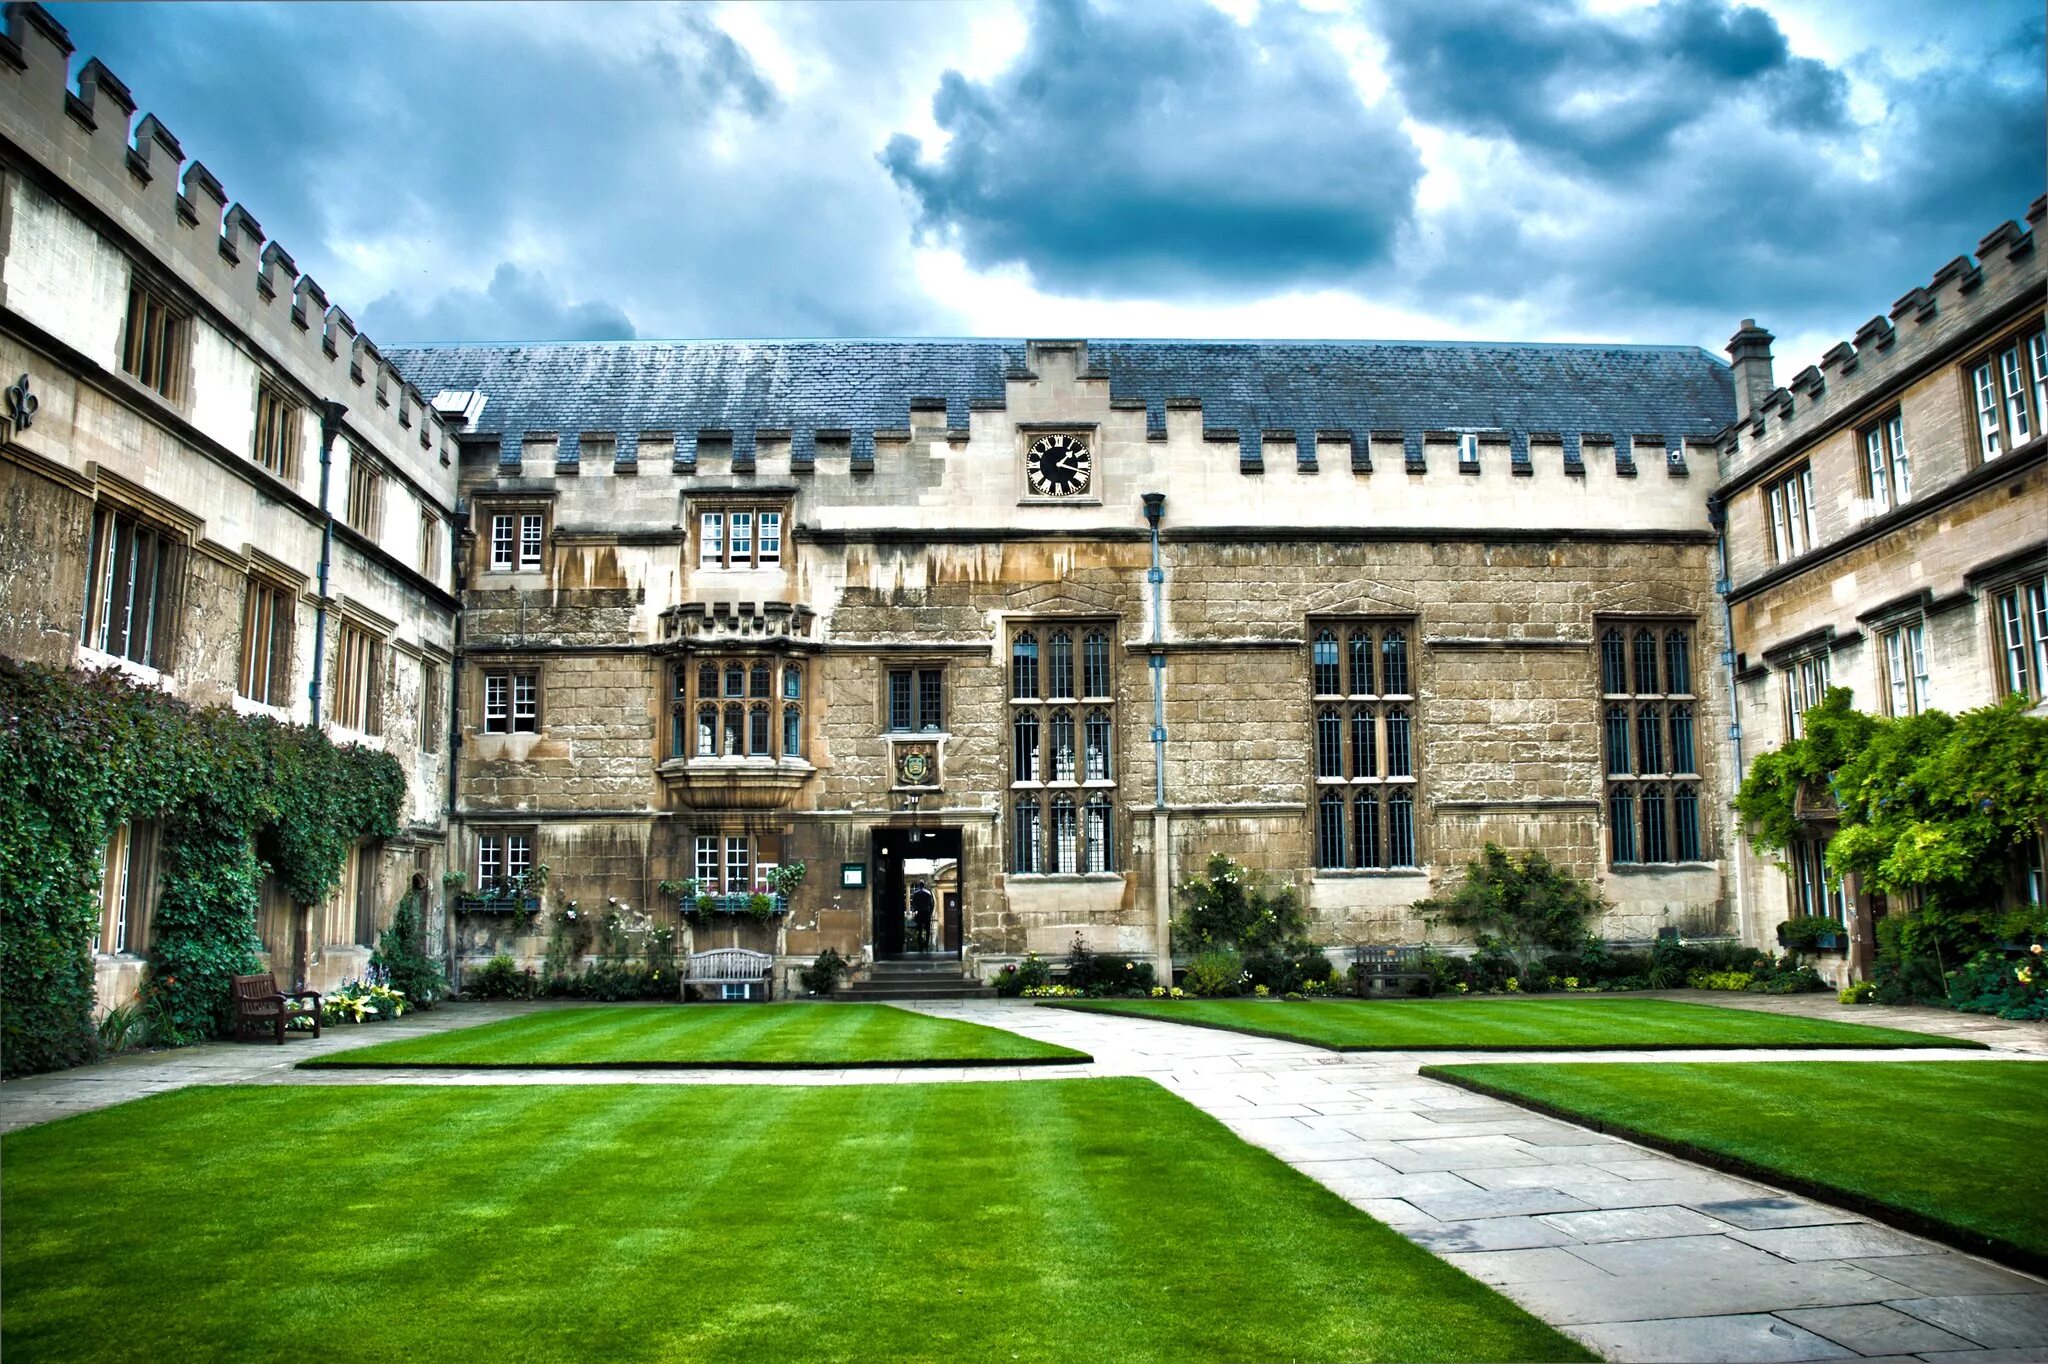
156 339
493 846
520 510
268 598
1886 460
749 721
1654 810
119 529
1804 680
127 902
704 508
363 511
280 430
2005 391
362 655
430 541
1789 513
1062 820
511 695
1807 883
918 673
433 698
1359 821
2019 633
1902 660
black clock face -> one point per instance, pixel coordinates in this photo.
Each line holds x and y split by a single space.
1058 466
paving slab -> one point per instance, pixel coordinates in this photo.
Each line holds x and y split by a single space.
1524 1266
1652 1297
1750 1338
1843 1241
1874 1329
1949 1274
1634 1224
1996 1321
1675 1255
1756 1214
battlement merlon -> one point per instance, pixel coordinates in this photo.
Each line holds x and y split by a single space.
175 215
1960 294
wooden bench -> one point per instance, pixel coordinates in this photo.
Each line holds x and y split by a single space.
728 966
261 1007
1376 969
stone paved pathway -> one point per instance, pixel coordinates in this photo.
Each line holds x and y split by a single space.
1642 1256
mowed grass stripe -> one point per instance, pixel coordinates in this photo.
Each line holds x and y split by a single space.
738 1035
1544 1023
1941 1147
1098 1218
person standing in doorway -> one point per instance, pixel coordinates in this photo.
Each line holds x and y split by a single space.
921 915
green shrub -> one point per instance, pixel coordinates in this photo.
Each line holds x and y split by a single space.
1518 905
124 1026
1030 974
1218 971
823 975
402 958
1285 972
498 978
1992 982
1229 906
1859 993
1719 980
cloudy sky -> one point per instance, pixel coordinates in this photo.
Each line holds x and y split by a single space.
1505 169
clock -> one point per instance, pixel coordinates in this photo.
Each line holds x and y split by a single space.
1059 466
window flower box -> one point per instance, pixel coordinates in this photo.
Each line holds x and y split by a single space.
498 904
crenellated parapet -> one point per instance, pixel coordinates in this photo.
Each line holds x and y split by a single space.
2003 276
84 139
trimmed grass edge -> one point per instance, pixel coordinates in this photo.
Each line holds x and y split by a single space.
1934 1042
1904 1219
340 1062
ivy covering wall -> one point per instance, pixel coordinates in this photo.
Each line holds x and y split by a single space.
236 796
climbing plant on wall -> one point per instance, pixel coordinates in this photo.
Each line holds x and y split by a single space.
1932 806
81 754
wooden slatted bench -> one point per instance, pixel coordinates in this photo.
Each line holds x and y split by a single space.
261 1007
726 967
1376 970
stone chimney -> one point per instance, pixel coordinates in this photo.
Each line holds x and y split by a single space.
1750 350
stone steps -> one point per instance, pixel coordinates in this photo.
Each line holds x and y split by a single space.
893 980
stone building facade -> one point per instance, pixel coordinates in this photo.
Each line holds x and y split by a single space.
173 382
1886 523
892 609
1000 639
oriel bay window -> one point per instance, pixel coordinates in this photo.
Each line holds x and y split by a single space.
1364 719
1062 749
737 708
1650 742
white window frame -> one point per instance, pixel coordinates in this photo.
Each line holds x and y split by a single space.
1990 435
1806 681
711 539
2021 619
532 537
1791 510
1905 662
504 538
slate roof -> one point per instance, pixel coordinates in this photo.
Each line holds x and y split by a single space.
1303 386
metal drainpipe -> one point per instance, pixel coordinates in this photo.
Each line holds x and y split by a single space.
1162 858
1717 517
331 413
458 527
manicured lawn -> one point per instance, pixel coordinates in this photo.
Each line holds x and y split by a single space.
735 1035
1542 1024
1063 1219
1953 1148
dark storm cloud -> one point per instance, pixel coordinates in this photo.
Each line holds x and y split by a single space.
1164 150
1735 181
1601 95
632 160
